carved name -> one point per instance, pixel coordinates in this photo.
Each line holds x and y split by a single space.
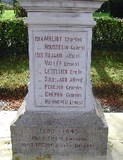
60 67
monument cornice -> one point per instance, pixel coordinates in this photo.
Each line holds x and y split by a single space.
61 5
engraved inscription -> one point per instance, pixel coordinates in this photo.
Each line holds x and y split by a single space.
60 68
67 138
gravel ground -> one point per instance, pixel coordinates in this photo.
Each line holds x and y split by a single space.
14 105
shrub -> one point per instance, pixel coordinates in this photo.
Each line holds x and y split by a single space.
19 11
108 34
13 37
2 8
8 7
116 8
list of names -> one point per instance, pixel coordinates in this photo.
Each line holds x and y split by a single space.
60 68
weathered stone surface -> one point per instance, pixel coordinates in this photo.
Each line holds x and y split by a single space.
115 137
60 115
60 133
60 68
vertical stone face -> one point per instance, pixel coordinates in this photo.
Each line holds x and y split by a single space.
61 116
60 68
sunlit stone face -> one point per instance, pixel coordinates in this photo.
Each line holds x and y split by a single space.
60 59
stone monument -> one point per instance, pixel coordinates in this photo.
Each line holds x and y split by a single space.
59 117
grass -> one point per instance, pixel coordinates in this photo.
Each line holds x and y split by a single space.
8 14
106 75
14 72
97 14
107 68
106 72
14 75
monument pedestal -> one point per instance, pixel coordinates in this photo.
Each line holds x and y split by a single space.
60 134
60 118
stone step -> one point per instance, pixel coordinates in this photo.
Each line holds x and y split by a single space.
115 144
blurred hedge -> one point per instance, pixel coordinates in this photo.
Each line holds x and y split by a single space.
13 37
107 34
19 11
4 6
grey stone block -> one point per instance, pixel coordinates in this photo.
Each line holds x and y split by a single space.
44 133
60 116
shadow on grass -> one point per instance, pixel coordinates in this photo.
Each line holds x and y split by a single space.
107 88
16 64
14 73
17 93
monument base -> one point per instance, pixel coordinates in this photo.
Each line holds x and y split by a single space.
44 135
58 157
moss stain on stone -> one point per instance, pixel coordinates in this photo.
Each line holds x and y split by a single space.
110 146
46 157
17 158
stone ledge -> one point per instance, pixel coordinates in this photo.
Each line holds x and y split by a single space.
115 144
61 5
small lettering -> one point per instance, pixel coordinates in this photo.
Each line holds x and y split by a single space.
48 38
73 95
58 145
52 79
75 71
76 80
55 47
48 86
77 47
70 64
53 94
63 102
48 55
56 71
53 63
72 56
73 87
73 39
59 68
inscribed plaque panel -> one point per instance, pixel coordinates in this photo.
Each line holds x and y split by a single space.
60 68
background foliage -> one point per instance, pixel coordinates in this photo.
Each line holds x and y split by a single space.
2 8
19 11
107 34
106 69
13 37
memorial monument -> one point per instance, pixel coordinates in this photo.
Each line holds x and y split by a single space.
60 116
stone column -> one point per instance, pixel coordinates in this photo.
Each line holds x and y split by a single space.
60 115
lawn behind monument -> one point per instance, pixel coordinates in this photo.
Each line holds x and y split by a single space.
8 14
106 76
